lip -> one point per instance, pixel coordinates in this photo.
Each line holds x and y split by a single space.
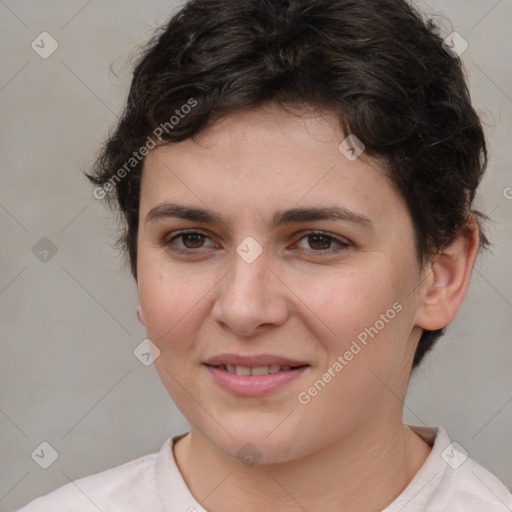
253 361
254 385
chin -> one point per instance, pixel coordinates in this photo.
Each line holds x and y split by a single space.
254 442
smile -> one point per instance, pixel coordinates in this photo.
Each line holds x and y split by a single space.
254 381
258 370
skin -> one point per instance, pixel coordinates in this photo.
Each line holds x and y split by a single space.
348 445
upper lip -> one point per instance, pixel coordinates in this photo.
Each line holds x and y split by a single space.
253 361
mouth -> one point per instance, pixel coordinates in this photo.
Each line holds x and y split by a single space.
254 381
256 370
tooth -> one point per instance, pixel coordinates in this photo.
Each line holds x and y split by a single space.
242 370
259 370
284 368
230 368
273 368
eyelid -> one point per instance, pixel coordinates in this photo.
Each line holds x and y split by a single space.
174 234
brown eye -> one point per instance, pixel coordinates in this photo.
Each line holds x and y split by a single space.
192 240
320 243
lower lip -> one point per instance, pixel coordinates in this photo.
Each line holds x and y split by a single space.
254 385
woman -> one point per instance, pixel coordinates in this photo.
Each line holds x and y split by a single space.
296 180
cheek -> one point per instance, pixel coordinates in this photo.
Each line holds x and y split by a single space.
360 317
171 301
173 306
345 302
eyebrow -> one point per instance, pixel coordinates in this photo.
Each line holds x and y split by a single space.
281 217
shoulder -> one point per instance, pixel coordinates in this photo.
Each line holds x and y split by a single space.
451 481
471 488
128 487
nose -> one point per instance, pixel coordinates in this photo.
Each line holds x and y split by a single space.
251 297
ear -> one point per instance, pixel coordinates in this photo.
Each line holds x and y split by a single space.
140 316
447 279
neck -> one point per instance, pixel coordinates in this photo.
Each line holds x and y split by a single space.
365 471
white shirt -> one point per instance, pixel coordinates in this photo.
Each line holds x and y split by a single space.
447 482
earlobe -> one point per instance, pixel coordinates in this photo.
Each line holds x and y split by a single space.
140 316
446 286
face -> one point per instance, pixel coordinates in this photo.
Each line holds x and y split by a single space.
333 295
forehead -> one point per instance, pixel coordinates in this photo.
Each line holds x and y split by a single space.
261 161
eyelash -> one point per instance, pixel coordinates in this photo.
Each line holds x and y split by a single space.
342 245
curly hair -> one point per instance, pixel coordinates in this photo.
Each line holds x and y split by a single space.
377 64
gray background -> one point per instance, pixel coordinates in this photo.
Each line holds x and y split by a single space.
68 330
